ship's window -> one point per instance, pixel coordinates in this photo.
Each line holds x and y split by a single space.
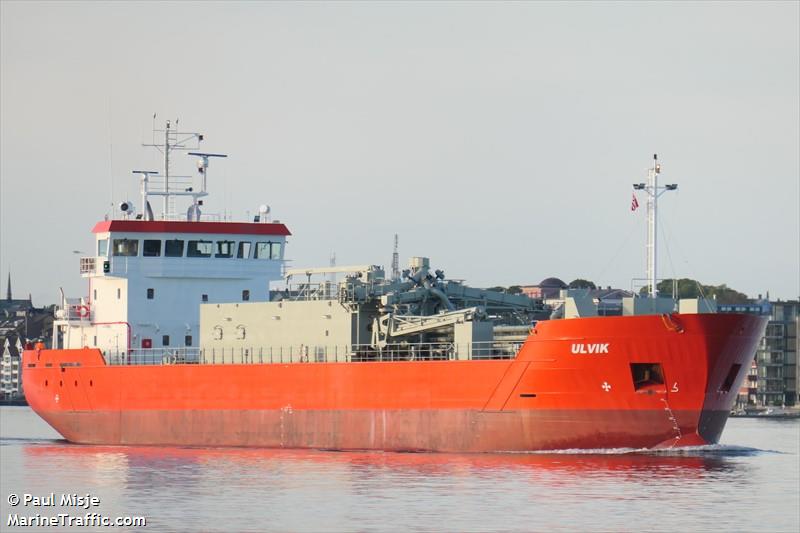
94 296
224 249
199 249
187 340
245 295
646 375
95 341
165 340
204 297
102 247
173 248
275 251
268 250
244 250
126 247
262 250
151 293
151 248
119 294
730 378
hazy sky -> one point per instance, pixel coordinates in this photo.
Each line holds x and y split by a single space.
501 140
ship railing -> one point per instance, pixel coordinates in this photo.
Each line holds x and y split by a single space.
326 290
341 353
153 356
78 312
205 217
88 265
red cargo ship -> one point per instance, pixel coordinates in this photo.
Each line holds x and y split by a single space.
422 368
545 398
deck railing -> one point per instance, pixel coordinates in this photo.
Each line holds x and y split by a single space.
348 353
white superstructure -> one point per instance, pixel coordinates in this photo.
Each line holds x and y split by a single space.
148 277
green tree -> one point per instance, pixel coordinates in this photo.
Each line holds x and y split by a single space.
581 283
691 288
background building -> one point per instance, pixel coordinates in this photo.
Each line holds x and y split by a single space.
546 289
19 321
10 372
776 358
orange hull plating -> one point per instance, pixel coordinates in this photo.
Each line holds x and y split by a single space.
571 386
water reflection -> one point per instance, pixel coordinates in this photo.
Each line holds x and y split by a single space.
140 461
243 489
227 489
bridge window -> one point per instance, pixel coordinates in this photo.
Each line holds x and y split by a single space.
102 247
204 297
151 248
262 250
165 340
245 295
151 293
199 249
224 249
187 340
126 247
268 250
173 248
244 250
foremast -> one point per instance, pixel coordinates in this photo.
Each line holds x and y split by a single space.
654 191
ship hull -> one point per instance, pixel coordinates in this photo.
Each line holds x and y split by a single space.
415 430
572 385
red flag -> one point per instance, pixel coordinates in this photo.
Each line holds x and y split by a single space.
634 202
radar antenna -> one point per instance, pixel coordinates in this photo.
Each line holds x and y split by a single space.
202 168
145 182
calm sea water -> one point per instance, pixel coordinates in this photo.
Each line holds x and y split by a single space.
748 483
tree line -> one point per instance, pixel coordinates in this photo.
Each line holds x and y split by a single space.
681 288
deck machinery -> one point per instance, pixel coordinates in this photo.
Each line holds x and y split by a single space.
366 316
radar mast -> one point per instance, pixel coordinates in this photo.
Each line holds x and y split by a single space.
168 185
653 191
